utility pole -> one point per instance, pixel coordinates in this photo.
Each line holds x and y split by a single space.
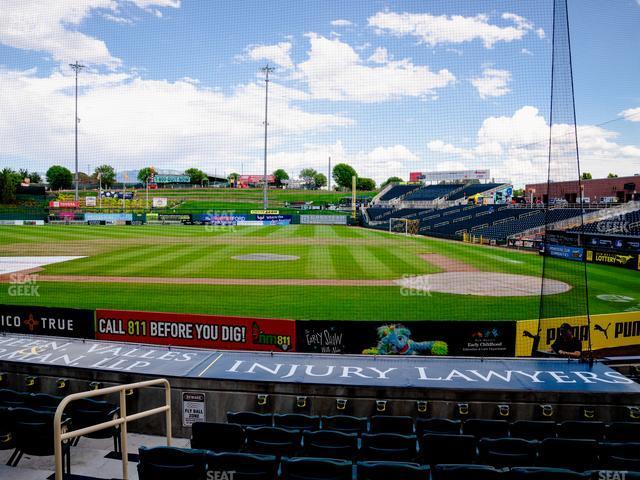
267 69
76 67
329 176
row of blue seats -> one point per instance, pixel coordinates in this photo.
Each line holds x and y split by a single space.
166 463
428 449
406 425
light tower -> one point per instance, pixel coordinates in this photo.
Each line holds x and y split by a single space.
76 67
267 70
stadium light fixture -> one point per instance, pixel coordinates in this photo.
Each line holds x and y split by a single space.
76 67
266 69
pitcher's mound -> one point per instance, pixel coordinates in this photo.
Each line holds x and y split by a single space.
484 284
265 257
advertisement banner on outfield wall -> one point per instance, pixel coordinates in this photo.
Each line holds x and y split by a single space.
611 333
561 251
323 219
202 331
59 322
411 338
625 260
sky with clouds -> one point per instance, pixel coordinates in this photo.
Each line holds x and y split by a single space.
388 86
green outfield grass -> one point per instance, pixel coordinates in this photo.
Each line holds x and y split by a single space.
326 252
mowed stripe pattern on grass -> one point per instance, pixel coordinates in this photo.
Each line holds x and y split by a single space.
176 256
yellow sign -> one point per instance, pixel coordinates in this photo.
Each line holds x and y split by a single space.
265 212
609 330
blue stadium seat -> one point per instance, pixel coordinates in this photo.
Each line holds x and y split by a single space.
623 432
273 441
34 434
442 448
43 401
392 471
466 472
330 444
316 469
483 428
296 421
345 423
581 429
169 463
532 429
574 454
217 437
391 424
620 456
7 436
545 473
245 466
86 412
250 419
11 398
507 452
437 425
388 446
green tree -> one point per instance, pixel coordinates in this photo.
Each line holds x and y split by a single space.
280 175
59 177
197 176
35 177
366 184
144 175
307 174
586 176
390 180
342 174
107 175
612 175
9 180
24 173
319 180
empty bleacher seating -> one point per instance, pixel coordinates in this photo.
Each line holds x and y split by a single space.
625 224
430 192
473 189
397 191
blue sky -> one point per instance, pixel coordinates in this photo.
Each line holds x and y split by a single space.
388 86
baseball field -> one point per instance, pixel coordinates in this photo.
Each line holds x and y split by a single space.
298 272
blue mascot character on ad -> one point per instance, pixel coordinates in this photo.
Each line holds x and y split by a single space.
395 339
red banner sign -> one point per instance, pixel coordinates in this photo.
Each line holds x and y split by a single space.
202 331
65 204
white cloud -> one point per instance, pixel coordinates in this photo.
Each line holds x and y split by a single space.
631 114
335 71
492 83
345 23
441 147
441 29
132 122
541 33
51 27
280 53
156 3
526 51
117 19
381 55
517 148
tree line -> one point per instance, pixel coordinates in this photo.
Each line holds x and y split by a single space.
61 178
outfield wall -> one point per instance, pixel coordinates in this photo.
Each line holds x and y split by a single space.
610 334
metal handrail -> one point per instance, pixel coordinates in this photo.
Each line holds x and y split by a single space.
122 420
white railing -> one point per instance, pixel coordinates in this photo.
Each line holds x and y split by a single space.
122 420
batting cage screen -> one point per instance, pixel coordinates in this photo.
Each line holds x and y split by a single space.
449 177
